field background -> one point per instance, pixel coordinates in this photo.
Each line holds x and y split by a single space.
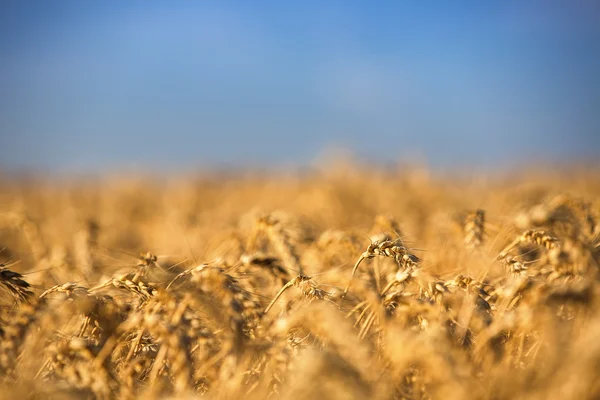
88 310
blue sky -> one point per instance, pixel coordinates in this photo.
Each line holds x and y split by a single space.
174 85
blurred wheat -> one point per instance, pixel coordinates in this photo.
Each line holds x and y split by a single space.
226 287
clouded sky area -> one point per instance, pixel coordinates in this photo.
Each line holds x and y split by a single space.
173 85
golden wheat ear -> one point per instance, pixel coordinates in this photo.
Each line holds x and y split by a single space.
15 284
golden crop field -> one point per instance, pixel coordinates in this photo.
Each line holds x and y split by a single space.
346 282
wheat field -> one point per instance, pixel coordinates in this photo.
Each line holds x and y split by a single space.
346 282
